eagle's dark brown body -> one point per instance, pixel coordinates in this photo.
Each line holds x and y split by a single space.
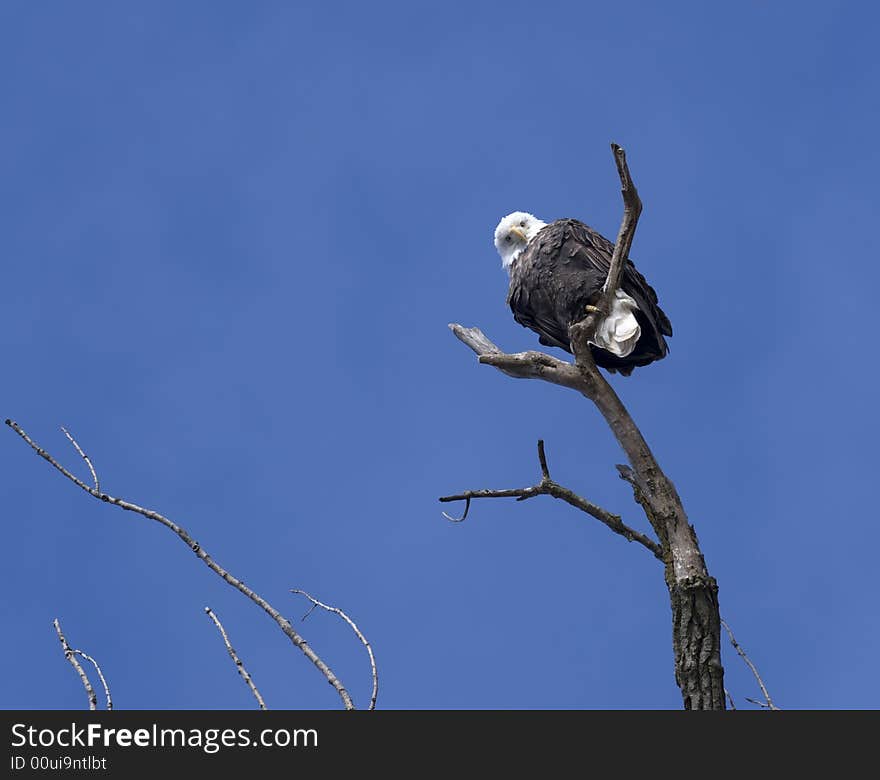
560 272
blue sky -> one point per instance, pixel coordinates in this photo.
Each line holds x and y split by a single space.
233 235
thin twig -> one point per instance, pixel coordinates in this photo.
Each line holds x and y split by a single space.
729 699
94 663
184 536
542 460
357 631
70 655
83 456
467 508
742 654
235 659
632 209
582 333
547 487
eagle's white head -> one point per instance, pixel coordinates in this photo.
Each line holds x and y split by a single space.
513 233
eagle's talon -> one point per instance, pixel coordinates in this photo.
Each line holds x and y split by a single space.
589 309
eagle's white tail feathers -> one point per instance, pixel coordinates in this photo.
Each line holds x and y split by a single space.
620 330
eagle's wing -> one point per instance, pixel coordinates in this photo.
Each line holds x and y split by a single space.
532 308
556 275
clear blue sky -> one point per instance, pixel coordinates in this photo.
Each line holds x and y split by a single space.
233 235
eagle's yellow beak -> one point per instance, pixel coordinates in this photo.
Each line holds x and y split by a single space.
519 234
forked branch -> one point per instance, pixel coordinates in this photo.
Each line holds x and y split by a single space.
358 634
85 457
101 677
203 556
548 487
71 655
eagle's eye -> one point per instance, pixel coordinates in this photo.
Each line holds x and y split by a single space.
509 238
522 224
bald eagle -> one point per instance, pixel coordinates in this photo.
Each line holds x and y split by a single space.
557 272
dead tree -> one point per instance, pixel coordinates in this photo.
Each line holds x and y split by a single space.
693 593
283 623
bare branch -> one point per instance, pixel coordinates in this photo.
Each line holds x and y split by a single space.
547 487
632 209
94 663
184 536
582 332
729 699
83 456
662 503
475 339
542 460
521 365
357 631
467 508
742 654
521 494
235 659
70 655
